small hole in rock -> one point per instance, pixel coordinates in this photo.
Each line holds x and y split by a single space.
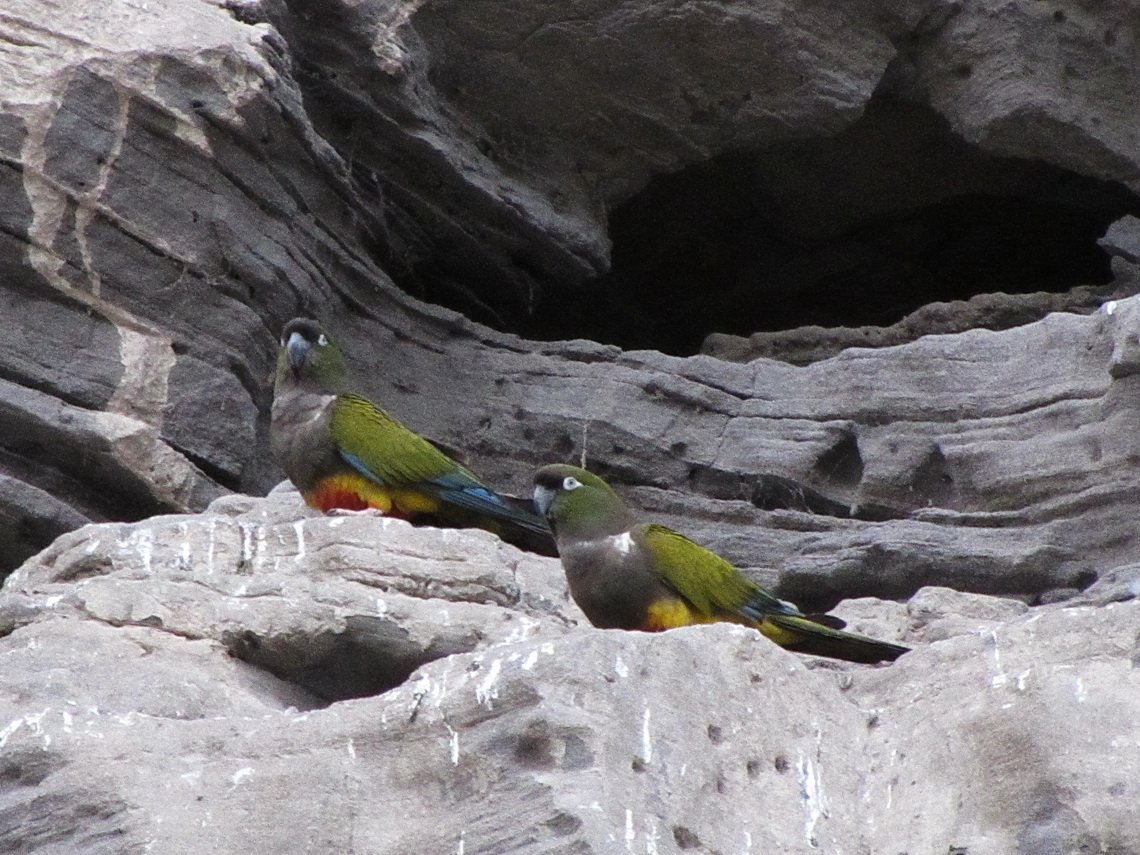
684 838
370 656
842 464
563 824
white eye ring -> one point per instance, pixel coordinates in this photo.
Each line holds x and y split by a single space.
570 483
322 340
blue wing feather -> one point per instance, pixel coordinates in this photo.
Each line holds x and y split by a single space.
460 489
358 464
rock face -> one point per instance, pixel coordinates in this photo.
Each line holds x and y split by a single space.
179 178
258 679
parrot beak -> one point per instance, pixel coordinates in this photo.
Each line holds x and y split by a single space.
297 351
543 496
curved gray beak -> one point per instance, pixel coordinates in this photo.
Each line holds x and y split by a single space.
296 350
543 496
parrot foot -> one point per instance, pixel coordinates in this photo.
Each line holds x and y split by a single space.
346 512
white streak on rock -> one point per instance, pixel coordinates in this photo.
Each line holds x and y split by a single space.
144 543
1020 679
999 678
546 648
811 787
651 836
487 690
299 528
646 738
7 732
521 632
35 724
211 531
246 542
420 690
620 668
454 743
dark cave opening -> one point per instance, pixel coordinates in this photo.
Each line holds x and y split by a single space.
852 232
856 230
873 275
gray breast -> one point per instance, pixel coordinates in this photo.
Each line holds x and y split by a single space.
609 581
300 437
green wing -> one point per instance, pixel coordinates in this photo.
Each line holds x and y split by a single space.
714 587
382 449
386 451
706 580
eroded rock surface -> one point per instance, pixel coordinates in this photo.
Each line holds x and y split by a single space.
263 680
180 178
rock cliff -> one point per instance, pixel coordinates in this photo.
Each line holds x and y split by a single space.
259 679
181 178
840 289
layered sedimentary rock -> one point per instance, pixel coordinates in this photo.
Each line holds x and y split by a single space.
180 179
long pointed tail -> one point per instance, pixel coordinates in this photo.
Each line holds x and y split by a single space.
806 636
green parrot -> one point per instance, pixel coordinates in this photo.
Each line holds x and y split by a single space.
626 575
342 451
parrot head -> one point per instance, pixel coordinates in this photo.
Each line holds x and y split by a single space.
577 504
308 356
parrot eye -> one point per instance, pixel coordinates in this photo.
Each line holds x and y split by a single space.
571 483
322 340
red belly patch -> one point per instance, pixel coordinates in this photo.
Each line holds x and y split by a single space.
328 496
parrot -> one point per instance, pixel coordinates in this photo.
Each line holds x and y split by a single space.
342 451
639 576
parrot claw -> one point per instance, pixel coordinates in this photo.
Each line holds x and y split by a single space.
345 512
